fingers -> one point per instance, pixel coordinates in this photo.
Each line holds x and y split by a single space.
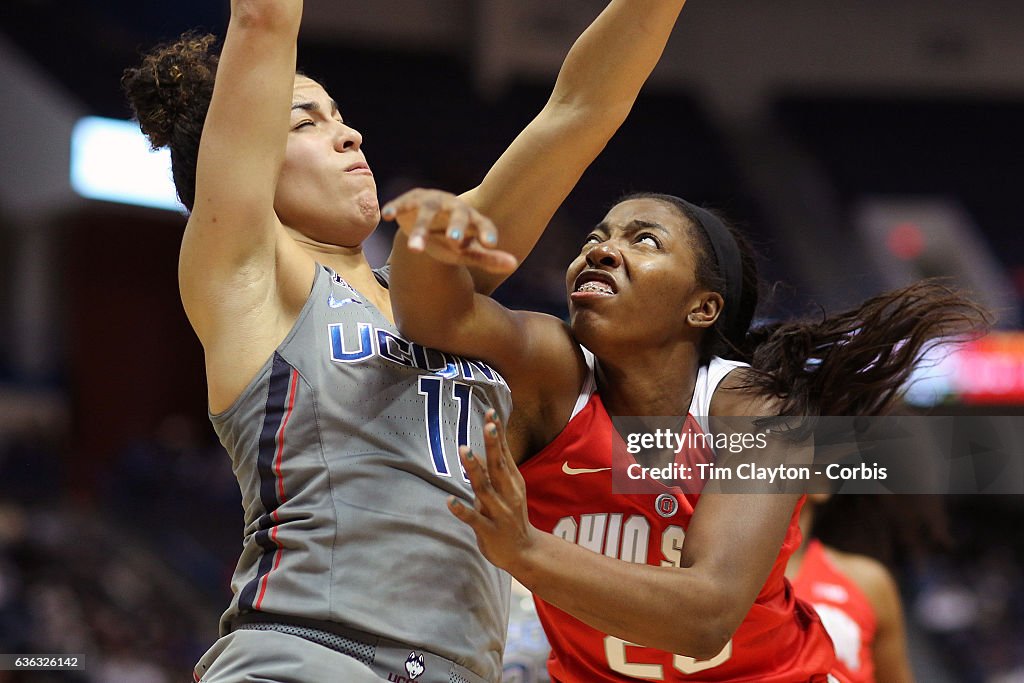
465 222
423 214
508 463
470 253
486 231
427 206
499 486
498 513
390 210
470 516
458 221
490 260
487 500
502 467
497 467
421 228
403 204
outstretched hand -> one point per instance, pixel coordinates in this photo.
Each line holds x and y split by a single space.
449 230
498 515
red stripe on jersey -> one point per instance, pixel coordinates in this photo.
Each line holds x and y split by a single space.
280 435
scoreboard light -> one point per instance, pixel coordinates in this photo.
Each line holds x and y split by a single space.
111 160
988 371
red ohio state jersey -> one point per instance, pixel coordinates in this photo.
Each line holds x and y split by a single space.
569 494
845 611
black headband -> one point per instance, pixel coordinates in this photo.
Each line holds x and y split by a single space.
727 256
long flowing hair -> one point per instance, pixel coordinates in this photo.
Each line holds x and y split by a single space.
856 362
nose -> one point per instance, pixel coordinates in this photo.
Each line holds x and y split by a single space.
347 138
604 254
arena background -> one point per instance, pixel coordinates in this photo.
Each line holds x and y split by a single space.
861 143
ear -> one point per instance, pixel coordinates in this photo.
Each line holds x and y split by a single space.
705 310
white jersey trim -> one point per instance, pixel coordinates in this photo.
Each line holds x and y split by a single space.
589 385
708 378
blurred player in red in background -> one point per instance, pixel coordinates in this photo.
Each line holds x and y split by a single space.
858 602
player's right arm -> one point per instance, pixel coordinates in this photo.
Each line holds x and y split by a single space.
693 607
234 254
436 304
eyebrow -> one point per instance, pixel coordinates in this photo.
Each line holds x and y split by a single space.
313 106
633 226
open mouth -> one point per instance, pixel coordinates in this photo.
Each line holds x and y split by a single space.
594 283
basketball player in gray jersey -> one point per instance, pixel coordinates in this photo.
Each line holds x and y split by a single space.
348 441
343 435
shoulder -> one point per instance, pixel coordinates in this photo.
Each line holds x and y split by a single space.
545 341
738 394
545 379
870 576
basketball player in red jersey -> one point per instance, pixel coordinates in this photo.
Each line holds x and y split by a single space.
664 585
858 602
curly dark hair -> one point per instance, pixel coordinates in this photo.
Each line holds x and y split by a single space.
170 94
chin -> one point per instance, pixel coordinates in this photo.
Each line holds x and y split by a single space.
369 207
585 328
355 237
603 336
357 225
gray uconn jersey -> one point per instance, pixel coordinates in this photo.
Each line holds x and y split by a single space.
345 449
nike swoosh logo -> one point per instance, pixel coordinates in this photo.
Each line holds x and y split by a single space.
334 303
583 470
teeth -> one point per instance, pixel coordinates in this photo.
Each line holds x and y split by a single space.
595 286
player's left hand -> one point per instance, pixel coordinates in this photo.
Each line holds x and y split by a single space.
449 230
498 515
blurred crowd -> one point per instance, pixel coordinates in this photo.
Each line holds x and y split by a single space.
970 601
97 581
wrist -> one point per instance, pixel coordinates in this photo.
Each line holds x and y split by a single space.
528 564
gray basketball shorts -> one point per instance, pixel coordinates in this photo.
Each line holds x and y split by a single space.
263 656
289 653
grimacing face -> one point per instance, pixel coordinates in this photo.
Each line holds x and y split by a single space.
326 190
634 280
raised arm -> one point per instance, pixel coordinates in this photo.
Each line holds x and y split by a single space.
595 90
234 257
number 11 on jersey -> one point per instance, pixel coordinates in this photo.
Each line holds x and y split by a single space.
431 389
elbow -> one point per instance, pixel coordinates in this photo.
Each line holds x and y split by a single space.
707 644
706 637
267 15
589 118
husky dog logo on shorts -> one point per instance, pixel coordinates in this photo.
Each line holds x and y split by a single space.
414 665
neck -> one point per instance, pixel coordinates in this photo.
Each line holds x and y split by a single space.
658 382
806 525
351 264
340 258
